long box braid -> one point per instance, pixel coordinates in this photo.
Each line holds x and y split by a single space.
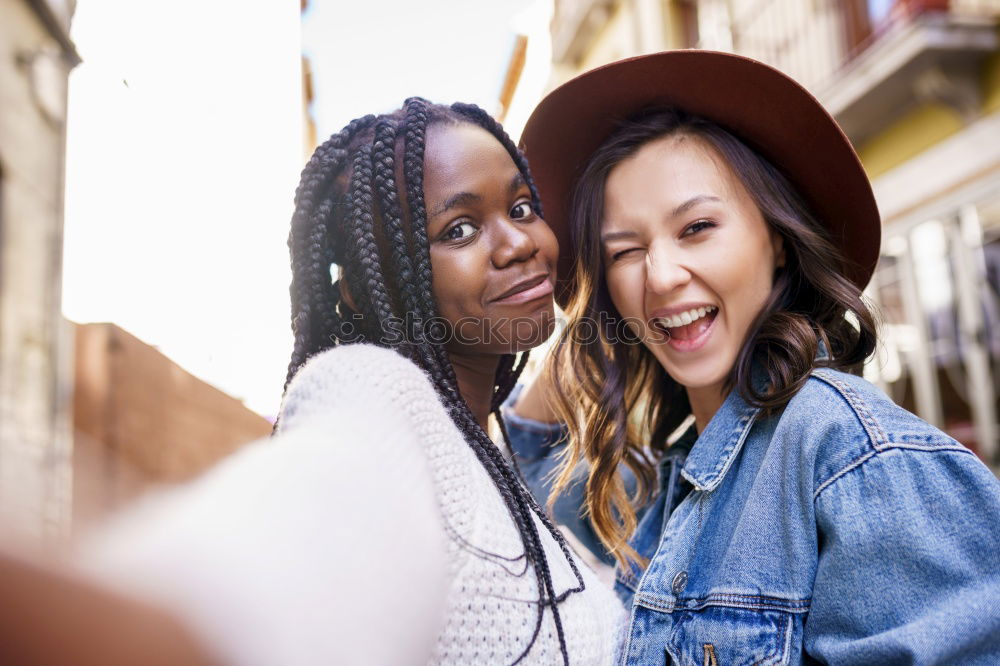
349 212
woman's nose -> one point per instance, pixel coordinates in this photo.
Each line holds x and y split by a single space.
664 273
514 244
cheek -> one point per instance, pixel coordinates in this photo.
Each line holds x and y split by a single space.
442 296
442 282
453 297
546 241
626 288
457 283
768 262
764 288
749 294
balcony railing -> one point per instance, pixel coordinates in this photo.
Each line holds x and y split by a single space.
815 42
574 23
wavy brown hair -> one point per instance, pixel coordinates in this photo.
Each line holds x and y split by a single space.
618 402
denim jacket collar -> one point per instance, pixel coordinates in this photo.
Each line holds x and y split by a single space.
713 454
718 445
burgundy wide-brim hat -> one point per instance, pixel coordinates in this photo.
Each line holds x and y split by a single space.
766 109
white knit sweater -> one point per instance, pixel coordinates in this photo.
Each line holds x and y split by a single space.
491 602
367 532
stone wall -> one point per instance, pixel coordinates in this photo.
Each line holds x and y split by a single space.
35 383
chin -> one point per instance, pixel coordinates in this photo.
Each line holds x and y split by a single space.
701 383
548 327
693 379
507 334
532 330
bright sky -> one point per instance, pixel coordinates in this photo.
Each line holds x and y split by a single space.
185 145
369 56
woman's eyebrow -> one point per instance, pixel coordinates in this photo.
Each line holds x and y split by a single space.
516 183
456 200
469 198
683 208
616 235
692 202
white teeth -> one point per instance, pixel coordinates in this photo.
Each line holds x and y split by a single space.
684 318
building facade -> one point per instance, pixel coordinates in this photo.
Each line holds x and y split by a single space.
36 56
141 421
915 84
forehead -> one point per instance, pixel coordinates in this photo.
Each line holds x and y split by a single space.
673 166
463 158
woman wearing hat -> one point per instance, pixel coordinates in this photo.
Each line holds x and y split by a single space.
763 504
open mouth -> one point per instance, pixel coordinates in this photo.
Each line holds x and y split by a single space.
687 325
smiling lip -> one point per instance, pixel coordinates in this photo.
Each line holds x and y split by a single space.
689 344
526 291
677 309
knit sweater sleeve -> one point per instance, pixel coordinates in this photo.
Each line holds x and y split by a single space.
290 551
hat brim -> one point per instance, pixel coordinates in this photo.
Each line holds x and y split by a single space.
766 109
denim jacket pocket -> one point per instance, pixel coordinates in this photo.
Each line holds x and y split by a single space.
724 636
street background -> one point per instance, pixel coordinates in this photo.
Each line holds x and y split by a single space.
149 153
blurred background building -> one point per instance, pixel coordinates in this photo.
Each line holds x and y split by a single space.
915 84
89 415
140 420
36 56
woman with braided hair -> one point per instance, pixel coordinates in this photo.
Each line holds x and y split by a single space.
380 524
433 222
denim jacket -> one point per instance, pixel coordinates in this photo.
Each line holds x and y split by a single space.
842 529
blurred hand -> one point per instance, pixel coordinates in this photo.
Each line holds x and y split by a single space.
50 617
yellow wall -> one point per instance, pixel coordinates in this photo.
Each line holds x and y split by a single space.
925 126
991 84
673 29
909 136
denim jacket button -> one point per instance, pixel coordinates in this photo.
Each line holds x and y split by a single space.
680 580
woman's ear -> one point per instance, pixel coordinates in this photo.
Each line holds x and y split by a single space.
345 292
